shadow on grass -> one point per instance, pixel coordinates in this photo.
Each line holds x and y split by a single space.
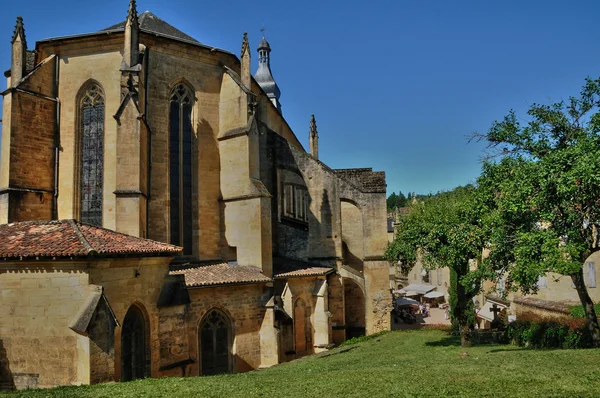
445 342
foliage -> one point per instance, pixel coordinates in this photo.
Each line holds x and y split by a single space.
395 201
577 311
543 194
548 334
401 364
444 230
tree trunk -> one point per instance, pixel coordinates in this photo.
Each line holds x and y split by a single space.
588 307
460 312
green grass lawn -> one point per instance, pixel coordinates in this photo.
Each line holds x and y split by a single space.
397 364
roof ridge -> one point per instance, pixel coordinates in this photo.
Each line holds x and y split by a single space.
90 249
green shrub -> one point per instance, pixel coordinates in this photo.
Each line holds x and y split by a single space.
578 312
548 334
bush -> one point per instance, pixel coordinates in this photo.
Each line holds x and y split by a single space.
548 334
578 312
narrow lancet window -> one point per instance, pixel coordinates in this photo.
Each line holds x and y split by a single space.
92 156
180 174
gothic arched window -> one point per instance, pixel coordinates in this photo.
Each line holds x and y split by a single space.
91 156
180 172
215 342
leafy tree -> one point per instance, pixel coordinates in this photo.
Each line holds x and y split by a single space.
543 194
395 201
445 231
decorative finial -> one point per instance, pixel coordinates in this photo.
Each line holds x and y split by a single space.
245 44
132 15
262 30
19 30
313 127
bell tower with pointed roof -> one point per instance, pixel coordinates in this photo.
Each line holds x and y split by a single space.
264 76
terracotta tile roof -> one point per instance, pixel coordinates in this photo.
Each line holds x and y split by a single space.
220 274
290 268
70 238
312 271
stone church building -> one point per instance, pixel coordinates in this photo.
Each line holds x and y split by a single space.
160 218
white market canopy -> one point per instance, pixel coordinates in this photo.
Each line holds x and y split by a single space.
415 289
434 295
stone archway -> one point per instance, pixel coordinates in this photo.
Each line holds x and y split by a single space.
354 309
135 348
215 339
303 331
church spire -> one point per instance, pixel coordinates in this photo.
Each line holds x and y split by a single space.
19 31
245 45
246 71
313 138
264 76
132 38
19 53
132 15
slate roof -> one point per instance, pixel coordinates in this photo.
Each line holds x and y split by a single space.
152 24
70 238
219 274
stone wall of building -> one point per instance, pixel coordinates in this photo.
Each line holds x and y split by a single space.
244 305
170 63
378 303
128 282
37 304
28 148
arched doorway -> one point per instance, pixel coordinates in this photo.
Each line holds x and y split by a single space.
303 338
354 309
134 345
216 341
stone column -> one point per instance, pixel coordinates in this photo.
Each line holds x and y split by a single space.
269 337
321 318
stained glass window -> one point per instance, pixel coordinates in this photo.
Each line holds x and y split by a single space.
180 174
92 156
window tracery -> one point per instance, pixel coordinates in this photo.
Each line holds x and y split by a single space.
180 172
91 156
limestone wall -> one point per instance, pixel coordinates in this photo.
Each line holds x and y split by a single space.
135 281
378 303
245 307
77 68
168 64
36 307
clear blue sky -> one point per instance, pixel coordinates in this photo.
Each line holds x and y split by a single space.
394 85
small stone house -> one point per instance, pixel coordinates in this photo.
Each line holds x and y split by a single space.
115 140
